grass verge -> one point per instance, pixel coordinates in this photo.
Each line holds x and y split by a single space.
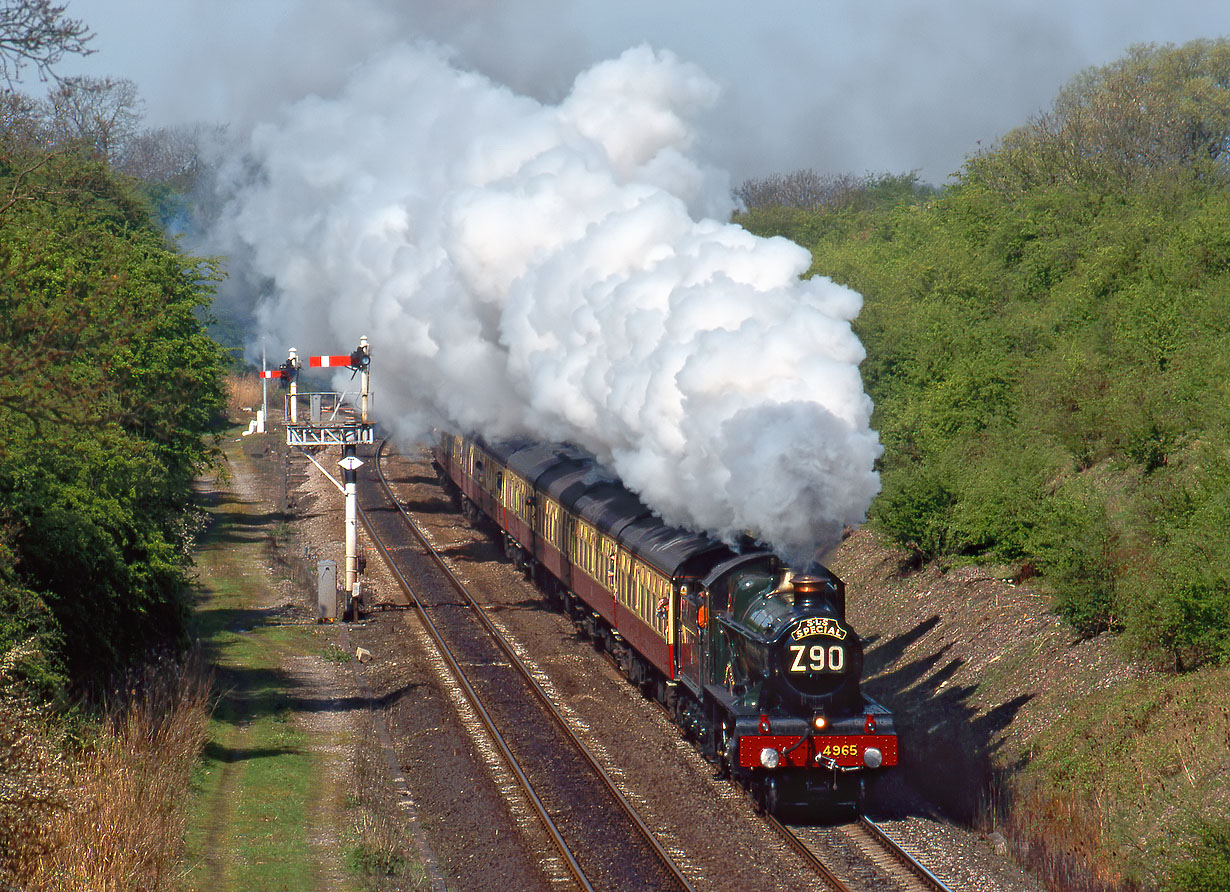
1135 785
262 790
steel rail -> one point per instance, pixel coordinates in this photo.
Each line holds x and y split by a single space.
877 836
802 849
909 861
460 677
650 838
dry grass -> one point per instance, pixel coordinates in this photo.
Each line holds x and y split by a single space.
382 854
1057 837
109 817
243 392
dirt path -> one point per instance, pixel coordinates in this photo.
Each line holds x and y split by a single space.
275 802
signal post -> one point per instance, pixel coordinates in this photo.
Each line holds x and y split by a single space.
345 433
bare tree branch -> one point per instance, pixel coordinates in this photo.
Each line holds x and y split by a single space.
101 113
37 33
17 193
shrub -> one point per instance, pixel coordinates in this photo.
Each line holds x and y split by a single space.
1208 867
914 508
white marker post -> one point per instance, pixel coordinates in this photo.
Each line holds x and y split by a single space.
363 355
292 364
350 466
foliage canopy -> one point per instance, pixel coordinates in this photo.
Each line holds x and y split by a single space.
1049 349
110 393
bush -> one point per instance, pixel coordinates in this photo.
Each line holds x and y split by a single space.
914 508
1077 547
1208 867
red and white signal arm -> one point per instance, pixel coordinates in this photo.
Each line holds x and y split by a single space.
329 362
272 373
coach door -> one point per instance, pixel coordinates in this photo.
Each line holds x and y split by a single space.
691 625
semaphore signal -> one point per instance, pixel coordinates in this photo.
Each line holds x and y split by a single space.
360 361
346 434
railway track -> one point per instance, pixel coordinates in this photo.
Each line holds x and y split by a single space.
867 838
572 795
863 838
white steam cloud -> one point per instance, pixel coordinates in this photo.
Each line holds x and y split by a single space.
563 271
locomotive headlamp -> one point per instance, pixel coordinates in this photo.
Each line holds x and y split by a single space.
819 722
872 757
768 757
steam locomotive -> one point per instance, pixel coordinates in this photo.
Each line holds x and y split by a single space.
754 660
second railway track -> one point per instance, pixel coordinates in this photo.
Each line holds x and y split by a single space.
597 831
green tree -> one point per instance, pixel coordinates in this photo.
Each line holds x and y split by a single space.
1156 108
106 411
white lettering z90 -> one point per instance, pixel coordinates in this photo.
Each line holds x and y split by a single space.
813 659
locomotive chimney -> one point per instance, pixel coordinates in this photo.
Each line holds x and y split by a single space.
809 591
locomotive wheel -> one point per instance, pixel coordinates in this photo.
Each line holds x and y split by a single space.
678 712
767 795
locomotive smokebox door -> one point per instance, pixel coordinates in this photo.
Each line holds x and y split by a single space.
326 591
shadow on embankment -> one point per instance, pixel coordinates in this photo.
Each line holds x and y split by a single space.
945 743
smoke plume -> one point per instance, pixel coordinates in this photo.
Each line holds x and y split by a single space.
563 271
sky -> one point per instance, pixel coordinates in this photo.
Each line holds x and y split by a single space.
526 207
838 86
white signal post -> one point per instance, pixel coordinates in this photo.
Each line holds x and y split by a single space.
348 435
350 466
292 366
364 375
266 374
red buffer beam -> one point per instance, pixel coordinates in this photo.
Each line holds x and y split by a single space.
328 362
